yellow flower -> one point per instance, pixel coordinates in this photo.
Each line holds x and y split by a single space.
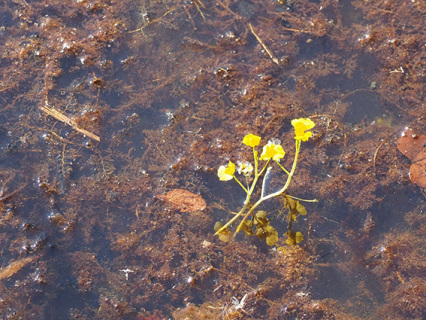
251 140
272 150
300 126
245 168
226 173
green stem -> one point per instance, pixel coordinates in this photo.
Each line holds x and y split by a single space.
256 177
293 169
305 200
249 191
240 184
263 169
246 215
282 167
232 220
255 161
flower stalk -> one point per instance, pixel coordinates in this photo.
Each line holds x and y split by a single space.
271 151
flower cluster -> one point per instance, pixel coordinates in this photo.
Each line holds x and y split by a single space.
271 152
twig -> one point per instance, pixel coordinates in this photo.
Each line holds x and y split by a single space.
375 156
227 8
263 45
15 266
294 30
199 10
10 195
155 20
61 117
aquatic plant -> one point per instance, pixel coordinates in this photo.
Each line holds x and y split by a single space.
259 224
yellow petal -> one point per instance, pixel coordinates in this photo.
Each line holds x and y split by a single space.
251 140
230 169
226 173
272 151
279 153
300 126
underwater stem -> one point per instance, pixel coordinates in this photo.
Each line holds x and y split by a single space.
293 169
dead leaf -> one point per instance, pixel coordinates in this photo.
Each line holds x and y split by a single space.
418 170
183 200
413 146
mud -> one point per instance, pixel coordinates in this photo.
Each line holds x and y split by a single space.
171 88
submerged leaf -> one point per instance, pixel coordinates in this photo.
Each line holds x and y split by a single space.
299 237
413 146
301 209
418 173
261 218
184 200
295 208
272 236
293 237
247 227
225 234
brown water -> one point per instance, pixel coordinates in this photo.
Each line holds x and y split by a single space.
166 90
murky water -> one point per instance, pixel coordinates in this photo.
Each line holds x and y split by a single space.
106 105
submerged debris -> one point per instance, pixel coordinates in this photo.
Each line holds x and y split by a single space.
15 266
169 88
183 200
413 146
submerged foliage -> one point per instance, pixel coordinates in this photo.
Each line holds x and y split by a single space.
259 224
159 82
